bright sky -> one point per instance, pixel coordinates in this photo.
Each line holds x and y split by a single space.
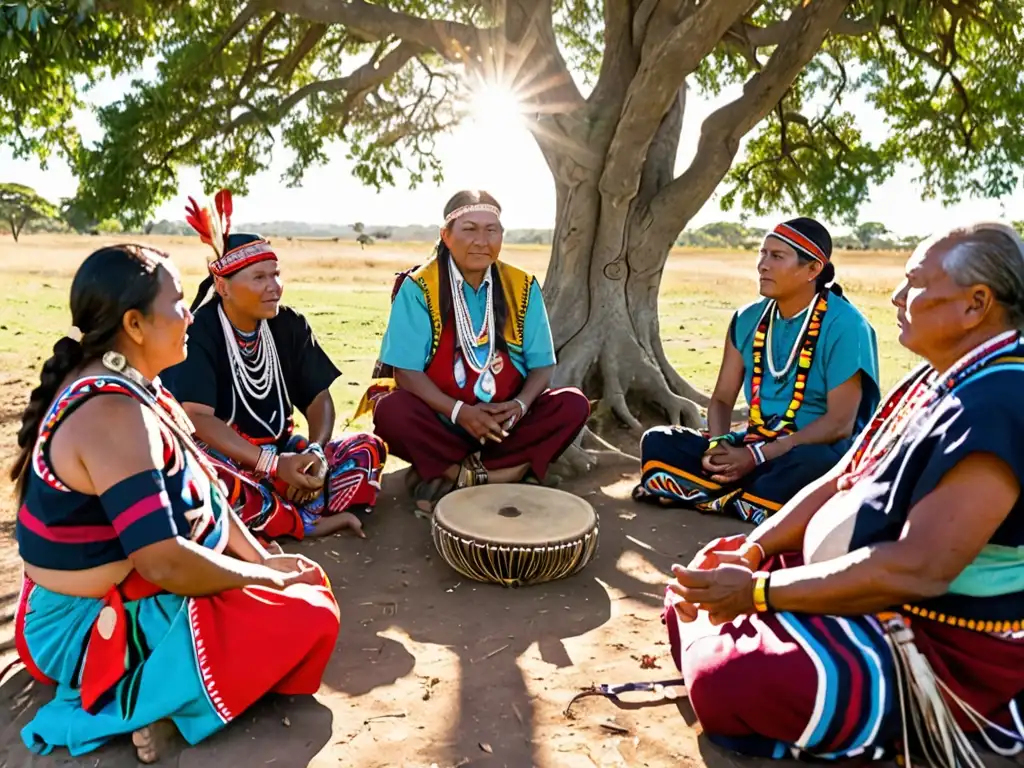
491 150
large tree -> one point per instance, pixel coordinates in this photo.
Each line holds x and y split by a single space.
227 81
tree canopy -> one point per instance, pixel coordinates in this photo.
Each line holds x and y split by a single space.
223 82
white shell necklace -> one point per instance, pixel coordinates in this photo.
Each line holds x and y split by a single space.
255 376
778 375
468 338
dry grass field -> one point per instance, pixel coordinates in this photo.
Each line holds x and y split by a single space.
431 670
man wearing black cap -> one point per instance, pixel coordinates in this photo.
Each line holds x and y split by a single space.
250 361
807 361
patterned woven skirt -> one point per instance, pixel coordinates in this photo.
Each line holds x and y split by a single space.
354 466
673 476
198 661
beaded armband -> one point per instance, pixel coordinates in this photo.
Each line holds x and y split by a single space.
317 451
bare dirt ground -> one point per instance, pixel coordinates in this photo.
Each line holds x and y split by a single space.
432 669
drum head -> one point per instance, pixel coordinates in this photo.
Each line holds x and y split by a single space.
527 515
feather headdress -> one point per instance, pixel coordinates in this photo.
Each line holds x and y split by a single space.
231 253
212 222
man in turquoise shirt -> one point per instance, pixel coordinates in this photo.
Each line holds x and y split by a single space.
462 387
807 361
408 337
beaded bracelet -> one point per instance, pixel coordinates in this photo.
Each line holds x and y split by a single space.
317 451
757 451
268 456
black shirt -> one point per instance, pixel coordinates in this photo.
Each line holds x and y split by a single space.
205 377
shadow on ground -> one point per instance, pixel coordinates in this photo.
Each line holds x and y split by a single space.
433 669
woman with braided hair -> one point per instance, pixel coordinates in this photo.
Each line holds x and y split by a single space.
251 361
146 601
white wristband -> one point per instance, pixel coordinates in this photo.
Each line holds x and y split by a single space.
455 411
522 406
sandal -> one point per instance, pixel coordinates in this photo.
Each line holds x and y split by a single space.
472 472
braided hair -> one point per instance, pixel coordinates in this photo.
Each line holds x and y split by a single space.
443 255
109 283
817 232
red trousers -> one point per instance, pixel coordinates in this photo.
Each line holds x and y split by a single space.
415 433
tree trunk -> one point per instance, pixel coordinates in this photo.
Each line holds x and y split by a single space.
605 324
15 229
602 291
619 207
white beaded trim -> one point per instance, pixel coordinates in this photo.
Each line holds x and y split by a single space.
209 684
475 208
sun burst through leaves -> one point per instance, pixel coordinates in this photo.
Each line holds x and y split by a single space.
495 105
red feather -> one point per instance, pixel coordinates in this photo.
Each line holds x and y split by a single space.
199 219
225 208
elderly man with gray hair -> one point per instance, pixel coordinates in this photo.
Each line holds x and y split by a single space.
882 610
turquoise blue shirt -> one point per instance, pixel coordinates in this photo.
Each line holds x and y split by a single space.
406 342
847 345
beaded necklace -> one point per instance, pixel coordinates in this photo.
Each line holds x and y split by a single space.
469 338
915 394
778 375
247 342
758 429
257 375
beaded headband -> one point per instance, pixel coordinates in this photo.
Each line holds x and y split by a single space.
241 257
799 241
474 208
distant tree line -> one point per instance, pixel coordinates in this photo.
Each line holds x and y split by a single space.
23 210
869 235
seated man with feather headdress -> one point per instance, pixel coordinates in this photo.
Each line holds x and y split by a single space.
251 361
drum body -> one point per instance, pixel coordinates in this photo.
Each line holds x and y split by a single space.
514 535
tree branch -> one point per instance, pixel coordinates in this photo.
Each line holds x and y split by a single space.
656 85
248 14
529 35
365 77
287 67
723 129
452 40
779 32
945 70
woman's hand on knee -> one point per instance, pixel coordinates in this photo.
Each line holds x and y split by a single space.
297 569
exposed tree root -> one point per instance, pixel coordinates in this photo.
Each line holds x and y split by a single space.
599 444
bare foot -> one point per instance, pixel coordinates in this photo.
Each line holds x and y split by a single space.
327 526
153 741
